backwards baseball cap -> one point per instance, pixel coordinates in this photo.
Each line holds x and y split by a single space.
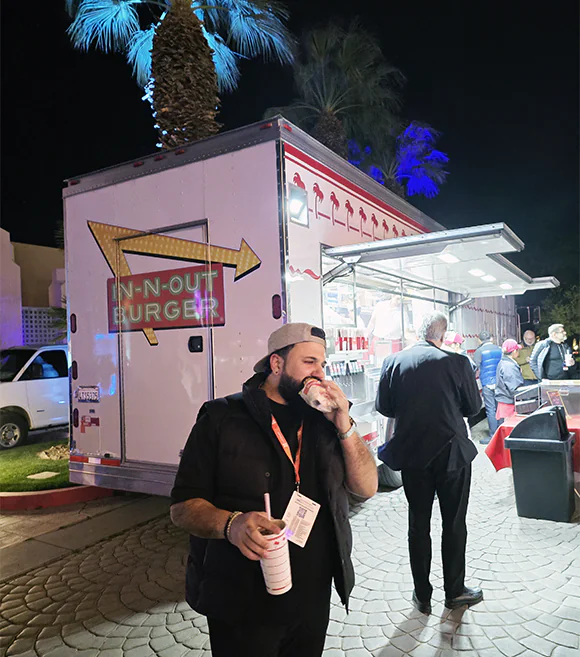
509 346
484 335
288 335
452 337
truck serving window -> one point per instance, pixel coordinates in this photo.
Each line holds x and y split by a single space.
12 361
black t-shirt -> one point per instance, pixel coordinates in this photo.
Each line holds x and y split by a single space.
314 564
554 363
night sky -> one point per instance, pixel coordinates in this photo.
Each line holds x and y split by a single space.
501 84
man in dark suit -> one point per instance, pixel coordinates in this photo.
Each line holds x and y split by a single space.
429 391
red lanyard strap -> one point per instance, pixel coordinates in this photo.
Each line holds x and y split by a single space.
284 444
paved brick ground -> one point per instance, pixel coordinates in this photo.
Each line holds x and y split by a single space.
124 596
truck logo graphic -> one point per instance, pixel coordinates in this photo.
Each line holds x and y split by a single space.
116 241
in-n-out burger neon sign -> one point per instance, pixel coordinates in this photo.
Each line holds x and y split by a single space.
116 241
175 298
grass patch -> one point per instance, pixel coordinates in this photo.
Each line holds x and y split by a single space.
17 463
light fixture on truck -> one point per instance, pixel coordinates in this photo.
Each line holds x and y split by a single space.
298 205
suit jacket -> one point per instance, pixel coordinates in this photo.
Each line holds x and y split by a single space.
428 391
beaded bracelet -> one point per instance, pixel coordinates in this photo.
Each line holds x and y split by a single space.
233 515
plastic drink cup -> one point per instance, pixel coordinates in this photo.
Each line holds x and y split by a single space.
276 563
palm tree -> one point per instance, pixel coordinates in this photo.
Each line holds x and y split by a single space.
183 52
420 166
378 161
408 164
345 87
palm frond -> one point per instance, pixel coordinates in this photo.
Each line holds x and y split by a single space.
297 113
257 29
343 72
421 166
71 7
107 24
225 61
139 54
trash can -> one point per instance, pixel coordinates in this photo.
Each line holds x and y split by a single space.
541 452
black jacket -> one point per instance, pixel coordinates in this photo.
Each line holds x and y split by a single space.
509 378
231 458
539 355
428 391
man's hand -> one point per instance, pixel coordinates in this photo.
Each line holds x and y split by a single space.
246 536
340 415
361 471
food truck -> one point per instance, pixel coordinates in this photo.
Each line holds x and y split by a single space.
180 265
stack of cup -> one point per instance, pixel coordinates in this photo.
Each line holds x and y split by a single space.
276 563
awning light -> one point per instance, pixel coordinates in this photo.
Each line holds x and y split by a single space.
448 257
477 272
505 286
488 278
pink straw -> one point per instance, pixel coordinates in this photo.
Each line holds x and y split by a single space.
267 505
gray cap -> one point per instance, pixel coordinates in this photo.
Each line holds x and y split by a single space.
288 335
485 335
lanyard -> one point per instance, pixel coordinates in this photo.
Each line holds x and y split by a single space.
284 444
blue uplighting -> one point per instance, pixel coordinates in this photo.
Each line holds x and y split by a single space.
418 166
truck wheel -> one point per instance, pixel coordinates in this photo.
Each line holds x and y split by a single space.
389 478
13 430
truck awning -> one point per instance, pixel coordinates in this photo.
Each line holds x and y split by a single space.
467 261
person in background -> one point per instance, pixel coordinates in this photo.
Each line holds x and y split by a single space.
508 379
452 342
428 392
486 358
523 359
385 323
552 358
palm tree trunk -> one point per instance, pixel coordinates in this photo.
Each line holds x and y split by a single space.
329 131
185 94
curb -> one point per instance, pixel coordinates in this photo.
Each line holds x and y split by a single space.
43 499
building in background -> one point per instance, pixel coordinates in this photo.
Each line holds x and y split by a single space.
31 283
10 294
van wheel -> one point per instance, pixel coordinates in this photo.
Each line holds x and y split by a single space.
13 430
389 478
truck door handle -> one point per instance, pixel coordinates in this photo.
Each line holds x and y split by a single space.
195 344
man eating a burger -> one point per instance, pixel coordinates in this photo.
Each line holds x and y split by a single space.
268 439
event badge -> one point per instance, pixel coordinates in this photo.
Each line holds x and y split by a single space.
299 517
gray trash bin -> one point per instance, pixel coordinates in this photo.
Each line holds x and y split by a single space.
541 452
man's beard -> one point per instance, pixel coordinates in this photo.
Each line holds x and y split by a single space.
289 388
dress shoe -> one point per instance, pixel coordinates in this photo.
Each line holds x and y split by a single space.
469 597
423 607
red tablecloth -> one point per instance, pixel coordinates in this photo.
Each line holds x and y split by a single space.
501 457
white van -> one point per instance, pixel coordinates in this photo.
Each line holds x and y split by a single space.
34 391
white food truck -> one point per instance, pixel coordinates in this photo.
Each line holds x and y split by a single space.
180 265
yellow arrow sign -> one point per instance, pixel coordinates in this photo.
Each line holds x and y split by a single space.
115 241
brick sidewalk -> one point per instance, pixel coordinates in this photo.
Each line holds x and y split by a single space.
123 597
